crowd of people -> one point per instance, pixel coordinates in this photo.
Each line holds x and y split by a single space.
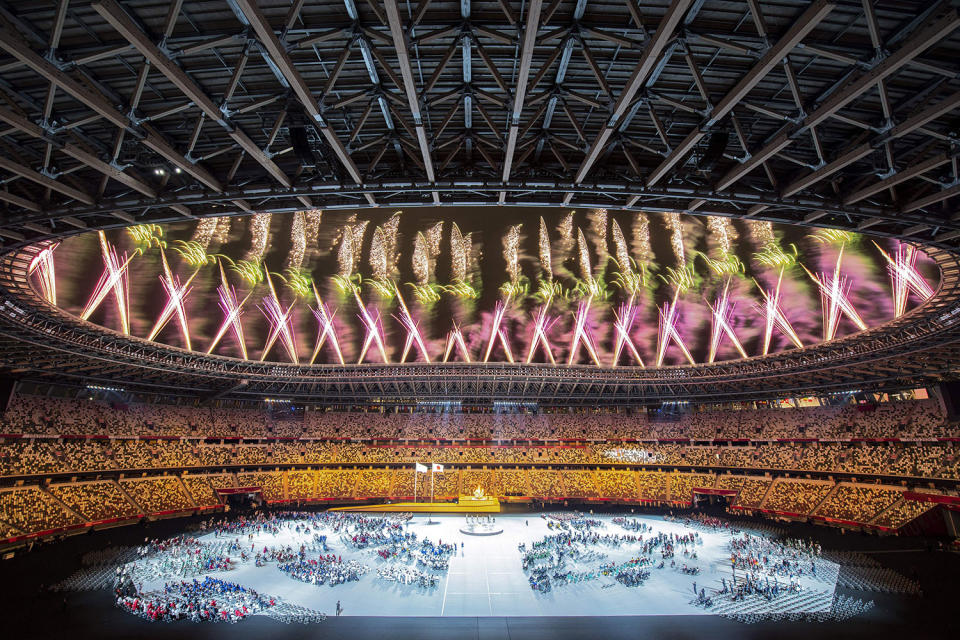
42 508
207 600
326 569
77 416
39 456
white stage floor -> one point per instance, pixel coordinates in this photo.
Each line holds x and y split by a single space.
486 577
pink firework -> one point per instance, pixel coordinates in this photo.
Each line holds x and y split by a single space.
497 332
833 296
232 310
774 317
542 322
114 279
42 266
456 340
904 277
668 333
326 330
281 323
413 330
374 331
624 319
721 314
581 333
176 294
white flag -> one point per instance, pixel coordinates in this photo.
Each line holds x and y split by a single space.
421 468
438 467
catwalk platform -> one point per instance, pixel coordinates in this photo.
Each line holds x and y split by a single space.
465 504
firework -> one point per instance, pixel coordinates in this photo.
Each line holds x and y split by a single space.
497 332
421 259
774 256
42 265
583 257
176 294
115 279
203 234
374 327
358 230
413 330
259 234
434 235
248 271
298 281
641 239
379 257
774 317
232 311
326 330
581 333
146 236
621 252
721 314
904 277
761 233
511 252
546 263
346 260
565 240
837 237
598 231
311 228
222 233
459 255
676 237
281 323
455 339
193 253
833 296
541 325
624 319
667 331
298 241
722 230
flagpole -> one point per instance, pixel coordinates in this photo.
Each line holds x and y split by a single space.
431 484
415 474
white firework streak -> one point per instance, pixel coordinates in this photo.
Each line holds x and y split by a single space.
833 295
721 314
624 319
583 254
374 331
259 232
326 328
281 325
298 241
676 237
546 263
455 339
668 333
620 245
904 277
581 335
42 265
232 311
413 330
774 317
176 293
114 278
541 325
497 332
